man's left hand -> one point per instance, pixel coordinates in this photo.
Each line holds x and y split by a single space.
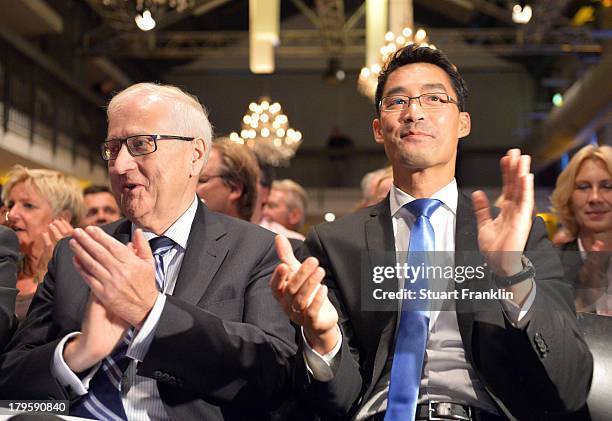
121 276
503 239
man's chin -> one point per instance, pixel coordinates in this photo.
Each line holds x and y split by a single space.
133 213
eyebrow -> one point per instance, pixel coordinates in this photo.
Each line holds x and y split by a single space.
428 87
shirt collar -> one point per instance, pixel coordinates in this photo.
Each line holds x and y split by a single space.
179 231
448 195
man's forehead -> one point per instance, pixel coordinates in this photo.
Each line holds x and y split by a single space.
100 197
423 77
139 115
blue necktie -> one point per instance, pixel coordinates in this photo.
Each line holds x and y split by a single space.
160 246
414 320
103 399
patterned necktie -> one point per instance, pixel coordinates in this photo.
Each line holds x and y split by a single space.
414 320
160 246
103 399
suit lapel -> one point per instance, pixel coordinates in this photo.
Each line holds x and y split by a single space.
467 254
123 231
466 240
379 239
204 254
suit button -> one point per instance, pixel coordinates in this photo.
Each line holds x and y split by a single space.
157 374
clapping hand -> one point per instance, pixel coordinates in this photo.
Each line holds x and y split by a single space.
299 289
502 240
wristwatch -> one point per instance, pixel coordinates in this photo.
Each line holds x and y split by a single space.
527 272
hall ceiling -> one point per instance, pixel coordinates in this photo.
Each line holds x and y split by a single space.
214 33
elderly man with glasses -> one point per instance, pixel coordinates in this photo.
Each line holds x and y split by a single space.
163 315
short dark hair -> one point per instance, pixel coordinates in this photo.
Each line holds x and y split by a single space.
96 188
414 54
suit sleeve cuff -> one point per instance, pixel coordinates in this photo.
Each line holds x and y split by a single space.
64 375
140 344
321 367
519 317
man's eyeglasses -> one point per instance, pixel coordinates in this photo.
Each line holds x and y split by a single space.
433 100
206 178
141 144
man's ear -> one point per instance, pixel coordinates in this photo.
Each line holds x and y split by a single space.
236 190
465 124
295 216
198 152
377 130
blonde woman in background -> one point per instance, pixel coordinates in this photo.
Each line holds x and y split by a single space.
43 206
582 200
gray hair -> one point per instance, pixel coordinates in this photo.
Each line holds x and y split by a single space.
296 196
188 113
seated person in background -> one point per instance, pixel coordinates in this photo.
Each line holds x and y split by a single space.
373 184
383 185
43 207
100 206
286 205
166 314
9 252
228 182
267 175
516 356
582 200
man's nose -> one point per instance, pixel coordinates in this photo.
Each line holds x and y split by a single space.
124 161
413 110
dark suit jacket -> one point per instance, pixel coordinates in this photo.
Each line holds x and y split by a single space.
221 347
571 261
528 373
9 252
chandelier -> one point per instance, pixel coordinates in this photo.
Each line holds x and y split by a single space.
368 77
266 130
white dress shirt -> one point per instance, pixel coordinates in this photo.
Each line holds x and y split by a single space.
139 395
447 376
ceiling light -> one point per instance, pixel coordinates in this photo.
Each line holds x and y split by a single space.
145 22
557 100
271 137
521 14
368 76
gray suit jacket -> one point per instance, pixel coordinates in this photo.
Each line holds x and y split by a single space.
9 252
222 345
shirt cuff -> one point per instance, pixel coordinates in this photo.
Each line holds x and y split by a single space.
140 344
520 316
321 367
64 375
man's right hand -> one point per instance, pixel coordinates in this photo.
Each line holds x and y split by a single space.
101 332
303 297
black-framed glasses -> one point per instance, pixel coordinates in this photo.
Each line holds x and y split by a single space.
430 100
137 145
